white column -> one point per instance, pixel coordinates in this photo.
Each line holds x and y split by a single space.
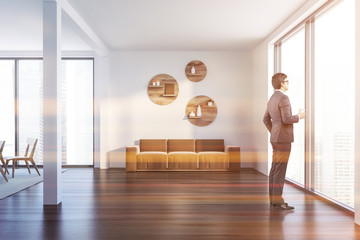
51 117
101 116
102 82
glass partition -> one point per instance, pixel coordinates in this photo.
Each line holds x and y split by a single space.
76 96
77 111
30 105
7 104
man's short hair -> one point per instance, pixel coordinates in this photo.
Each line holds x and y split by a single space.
277 79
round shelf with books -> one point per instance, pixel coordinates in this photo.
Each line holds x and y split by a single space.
163 89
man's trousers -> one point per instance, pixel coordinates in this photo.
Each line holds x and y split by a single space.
281 153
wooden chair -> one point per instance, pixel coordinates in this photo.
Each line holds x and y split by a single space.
2 144
27 158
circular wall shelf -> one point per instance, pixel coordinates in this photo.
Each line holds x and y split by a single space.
163 89
201 111
195 71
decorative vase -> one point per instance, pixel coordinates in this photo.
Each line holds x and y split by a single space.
192 70
198 111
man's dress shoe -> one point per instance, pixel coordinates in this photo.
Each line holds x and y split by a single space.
282 206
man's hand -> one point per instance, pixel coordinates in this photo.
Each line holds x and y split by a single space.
301 114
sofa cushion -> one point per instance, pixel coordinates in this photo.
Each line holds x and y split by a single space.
183 160
151 145
177 145
212 145
151 160
213 160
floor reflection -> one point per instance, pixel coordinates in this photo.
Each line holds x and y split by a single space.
277 219
51 217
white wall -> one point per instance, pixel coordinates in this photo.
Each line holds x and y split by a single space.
260 97
132 115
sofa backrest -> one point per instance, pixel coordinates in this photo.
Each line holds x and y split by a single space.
210 145
181 145
153 145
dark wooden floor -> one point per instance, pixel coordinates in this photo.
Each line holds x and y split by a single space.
100 204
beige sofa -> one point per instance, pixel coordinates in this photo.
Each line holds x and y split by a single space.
182 155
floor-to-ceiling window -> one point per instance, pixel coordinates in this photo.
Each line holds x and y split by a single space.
319 54
335 103
293 65
21 97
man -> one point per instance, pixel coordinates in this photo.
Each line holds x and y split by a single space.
279 120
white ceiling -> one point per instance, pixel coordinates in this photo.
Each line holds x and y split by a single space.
151 24
21 27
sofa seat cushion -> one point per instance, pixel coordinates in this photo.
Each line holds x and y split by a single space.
213 160
151 160
183 160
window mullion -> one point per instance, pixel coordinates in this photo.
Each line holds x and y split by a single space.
16 94
309 105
